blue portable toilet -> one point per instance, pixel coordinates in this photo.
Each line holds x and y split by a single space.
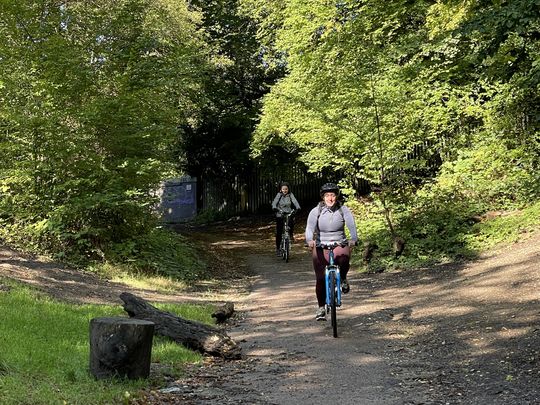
178 199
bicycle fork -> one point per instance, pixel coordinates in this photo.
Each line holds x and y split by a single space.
332 269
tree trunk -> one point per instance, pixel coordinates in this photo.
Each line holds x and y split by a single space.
120 347
194 335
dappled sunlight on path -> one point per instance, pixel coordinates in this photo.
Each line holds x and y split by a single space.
464 333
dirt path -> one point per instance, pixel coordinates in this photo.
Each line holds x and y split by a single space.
290 357
450 335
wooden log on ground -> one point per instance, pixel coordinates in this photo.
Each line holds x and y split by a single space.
194 335
224 312
120 347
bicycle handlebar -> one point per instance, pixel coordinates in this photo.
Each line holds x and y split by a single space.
331 246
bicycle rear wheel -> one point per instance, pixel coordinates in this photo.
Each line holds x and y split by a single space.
333 302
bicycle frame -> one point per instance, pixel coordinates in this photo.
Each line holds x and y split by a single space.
286 226
285 237
332 268
332 277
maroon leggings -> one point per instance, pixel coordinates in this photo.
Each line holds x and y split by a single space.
320 260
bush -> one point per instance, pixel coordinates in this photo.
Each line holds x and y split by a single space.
101 229
211 215
160 252
489 177
488 195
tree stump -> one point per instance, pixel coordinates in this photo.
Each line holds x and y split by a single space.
369 249
120 347
194 335
398 246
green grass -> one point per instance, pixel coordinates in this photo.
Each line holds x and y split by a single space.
123 274
44 351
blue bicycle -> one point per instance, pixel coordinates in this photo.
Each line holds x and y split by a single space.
333 283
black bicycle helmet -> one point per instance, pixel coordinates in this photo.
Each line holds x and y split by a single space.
329 188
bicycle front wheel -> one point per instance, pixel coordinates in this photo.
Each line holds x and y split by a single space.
286 250
333 302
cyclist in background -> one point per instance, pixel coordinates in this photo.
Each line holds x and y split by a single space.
326 224
284 202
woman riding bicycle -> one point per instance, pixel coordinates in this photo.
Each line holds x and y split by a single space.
326 224
284 203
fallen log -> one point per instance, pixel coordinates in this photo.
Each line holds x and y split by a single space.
194 335
224 312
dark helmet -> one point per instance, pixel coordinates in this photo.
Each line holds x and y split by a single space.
284 183
329 188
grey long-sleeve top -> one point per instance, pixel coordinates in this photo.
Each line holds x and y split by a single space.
285 202
331 225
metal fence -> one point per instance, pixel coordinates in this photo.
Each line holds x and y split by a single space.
254 192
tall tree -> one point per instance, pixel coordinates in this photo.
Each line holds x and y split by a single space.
348 101
218 144
93 94
387 91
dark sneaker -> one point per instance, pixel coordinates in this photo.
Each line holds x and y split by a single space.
278 252
345 287
321 314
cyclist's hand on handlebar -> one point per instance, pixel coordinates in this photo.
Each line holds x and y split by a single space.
352 243
311 243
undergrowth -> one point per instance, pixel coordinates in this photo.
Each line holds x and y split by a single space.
161 252
161 258
441 234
